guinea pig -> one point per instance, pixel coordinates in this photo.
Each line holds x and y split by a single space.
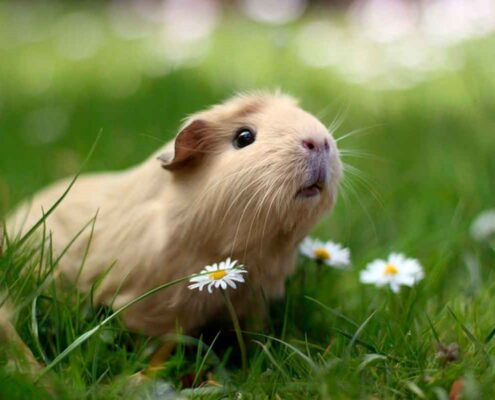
246 179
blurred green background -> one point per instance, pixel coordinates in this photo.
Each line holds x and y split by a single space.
420 94
411 85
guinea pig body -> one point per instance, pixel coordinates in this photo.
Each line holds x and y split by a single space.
246 179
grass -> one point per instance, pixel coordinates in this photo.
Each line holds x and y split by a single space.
431 171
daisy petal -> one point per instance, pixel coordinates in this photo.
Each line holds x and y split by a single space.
397 271
219 275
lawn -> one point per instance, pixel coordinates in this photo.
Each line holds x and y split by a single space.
421 167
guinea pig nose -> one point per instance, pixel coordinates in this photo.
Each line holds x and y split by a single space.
313 145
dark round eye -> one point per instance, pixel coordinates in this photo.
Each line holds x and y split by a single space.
244 137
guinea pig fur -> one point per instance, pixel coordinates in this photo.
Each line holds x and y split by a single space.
197 201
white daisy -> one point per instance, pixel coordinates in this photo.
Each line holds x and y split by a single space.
332 254
397 271
220 275
483 226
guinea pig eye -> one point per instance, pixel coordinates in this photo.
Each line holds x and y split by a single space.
244 137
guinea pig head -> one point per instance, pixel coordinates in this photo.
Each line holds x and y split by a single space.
254 168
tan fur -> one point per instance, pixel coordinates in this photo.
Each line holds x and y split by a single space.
18 355
207 201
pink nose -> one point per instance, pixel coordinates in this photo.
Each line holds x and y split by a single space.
314 145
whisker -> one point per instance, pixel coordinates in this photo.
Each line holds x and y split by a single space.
354 192
242 217
360 154
258 211
222 180
342 194
339 119
275 195
322 114
157 139
365 181
234 201
356 132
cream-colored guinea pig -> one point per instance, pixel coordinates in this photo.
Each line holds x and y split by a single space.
245 179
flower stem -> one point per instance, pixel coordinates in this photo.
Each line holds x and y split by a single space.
303 281
237 328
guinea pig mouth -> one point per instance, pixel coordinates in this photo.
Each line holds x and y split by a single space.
316 178
312 190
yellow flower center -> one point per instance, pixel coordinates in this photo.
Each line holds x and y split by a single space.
215 276
322 253
391 269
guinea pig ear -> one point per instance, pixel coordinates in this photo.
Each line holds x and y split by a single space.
189 145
